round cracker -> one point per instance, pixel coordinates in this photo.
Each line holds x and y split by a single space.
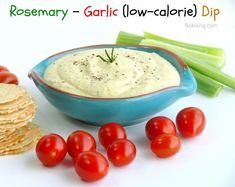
6 133
18 116
15 138
8 126
18 104
20 150
10 92
25 144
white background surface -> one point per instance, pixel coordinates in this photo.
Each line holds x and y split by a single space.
208 160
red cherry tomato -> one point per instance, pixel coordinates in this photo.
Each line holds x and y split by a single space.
51 149
3 69
190 122
165 145
121 152
110 132
80 141
159 125
8 78
91 166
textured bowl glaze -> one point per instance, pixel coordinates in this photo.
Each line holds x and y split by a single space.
127 111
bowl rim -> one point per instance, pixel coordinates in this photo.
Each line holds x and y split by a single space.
33 73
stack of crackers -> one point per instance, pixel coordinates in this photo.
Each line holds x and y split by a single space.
17 109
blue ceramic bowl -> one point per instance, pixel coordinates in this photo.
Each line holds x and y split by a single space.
127 111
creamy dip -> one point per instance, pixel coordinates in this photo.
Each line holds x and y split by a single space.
132 73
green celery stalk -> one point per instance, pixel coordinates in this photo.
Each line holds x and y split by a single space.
128 38
206 85
198 64
219 52
217 62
